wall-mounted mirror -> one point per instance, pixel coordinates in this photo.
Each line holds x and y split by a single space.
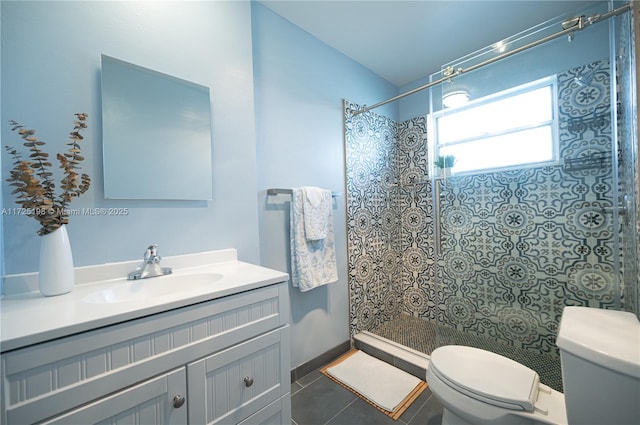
156 134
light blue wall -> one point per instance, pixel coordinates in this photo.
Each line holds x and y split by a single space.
295 131
299 86
417 104
51 69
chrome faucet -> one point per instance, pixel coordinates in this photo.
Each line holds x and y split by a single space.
150 267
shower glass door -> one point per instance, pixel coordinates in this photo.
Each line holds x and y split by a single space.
526 220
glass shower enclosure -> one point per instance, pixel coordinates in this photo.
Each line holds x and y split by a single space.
477 224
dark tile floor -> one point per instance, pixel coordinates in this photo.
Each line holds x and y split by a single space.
317 400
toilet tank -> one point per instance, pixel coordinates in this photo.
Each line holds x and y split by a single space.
600 356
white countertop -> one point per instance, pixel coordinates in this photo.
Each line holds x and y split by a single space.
30 318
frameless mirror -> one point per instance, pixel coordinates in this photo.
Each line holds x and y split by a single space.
156 134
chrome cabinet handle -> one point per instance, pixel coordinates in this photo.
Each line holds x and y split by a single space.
248 381
178 401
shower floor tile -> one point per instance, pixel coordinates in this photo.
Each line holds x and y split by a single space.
424 336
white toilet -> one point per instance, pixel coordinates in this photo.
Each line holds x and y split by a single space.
600 357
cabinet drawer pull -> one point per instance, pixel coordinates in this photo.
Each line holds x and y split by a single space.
248 381
178 401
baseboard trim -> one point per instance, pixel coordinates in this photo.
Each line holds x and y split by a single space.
321 360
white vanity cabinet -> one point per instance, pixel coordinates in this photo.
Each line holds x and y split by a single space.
223 361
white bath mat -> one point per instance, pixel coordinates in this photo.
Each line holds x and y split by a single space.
380 383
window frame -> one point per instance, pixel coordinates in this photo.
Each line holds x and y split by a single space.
550 81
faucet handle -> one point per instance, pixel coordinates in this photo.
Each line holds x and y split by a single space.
151 254
150 267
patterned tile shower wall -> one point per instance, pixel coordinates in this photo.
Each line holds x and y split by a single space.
417 275
523 244
372 219
517 245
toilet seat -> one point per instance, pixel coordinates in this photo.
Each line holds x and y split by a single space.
486 376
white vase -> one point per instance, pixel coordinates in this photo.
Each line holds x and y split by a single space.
56 263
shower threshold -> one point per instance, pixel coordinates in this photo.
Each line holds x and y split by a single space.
410 340
402 357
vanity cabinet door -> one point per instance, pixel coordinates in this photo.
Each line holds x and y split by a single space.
231 385
161 400
277 413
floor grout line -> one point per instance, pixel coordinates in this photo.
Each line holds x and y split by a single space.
311 382
341 410
420 408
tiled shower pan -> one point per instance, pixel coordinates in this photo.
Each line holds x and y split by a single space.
407 341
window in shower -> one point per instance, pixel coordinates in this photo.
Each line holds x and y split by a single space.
511 129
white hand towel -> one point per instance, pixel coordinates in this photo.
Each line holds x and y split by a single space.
313 262
317 209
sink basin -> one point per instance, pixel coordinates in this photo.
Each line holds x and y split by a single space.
155 287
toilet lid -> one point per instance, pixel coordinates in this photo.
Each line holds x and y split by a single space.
486 376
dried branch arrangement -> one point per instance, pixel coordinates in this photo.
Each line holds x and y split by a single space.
33 180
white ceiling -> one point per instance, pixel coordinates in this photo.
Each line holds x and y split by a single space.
403 41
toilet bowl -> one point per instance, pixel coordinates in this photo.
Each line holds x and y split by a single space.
480 387
600 356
